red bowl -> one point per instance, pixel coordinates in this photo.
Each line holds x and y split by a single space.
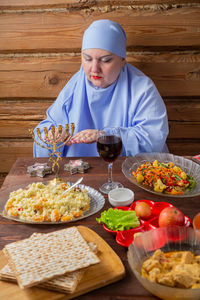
126 237
156 207
153 223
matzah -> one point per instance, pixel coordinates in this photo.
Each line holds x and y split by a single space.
43 257
66 283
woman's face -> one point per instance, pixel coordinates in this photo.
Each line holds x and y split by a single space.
101 67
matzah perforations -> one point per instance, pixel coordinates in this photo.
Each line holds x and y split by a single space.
40 258
66 283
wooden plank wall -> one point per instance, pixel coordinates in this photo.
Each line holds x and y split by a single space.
40 50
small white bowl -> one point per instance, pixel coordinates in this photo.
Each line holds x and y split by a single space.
121 197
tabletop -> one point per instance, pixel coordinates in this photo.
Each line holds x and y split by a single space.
126 288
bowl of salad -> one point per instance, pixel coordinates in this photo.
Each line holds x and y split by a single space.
163 174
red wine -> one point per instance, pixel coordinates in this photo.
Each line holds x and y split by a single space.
109 147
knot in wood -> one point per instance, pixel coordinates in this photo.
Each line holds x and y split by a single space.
54 80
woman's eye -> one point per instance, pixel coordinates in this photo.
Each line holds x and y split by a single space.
106 59
88 59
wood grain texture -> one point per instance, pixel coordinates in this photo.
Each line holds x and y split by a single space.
40 51
128 287
184 146
15 140
36 77
54 30
10 150
183 110
21 4
179 109
175 74
11 129
24 110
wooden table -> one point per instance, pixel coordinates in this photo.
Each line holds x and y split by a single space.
128 287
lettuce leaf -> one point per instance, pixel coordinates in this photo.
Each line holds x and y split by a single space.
118 219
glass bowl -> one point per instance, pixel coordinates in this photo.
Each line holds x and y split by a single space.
167 239
191 168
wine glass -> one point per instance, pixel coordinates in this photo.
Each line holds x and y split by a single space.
109 147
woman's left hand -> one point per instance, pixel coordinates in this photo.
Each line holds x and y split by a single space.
87 136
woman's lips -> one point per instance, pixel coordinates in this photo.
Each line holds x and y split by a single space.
96 77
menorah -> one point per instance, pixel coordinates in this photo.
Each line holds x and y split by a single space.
53 143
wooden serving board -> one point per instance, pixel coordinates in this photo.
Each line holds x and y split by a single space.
110 269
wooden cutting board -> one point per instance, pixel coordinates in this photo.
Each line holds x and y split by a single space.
109 270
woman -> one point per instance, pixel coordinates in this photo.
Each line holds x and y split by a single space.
107 91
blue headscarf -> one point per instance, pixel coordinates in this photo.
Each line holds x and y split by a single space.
107 35
132 102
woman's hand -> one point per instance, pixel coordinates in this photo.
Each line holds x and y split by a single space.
58 136
87 136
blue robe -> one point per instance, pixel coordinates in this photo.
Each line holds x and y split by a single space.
132 103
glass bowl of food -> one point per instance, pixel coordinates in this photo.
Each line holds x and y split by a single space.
163 174
166 261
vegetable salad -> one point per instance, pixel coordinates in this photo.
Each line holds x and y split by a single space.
164 177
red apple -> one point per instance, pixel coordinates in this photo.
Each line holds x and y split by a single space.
171 216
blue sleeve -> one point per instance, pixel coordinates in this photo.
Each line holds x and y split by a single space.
149 124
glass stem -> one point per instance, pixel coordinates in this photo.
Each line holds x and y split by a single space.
110 172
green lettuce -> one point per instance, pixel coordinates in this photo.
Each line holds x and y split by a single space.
118 219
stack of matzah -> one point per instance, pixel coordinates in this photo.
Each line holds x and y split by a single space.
65 283
55 260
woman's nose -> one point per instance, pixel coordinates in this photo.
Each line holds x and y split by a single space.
95 66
